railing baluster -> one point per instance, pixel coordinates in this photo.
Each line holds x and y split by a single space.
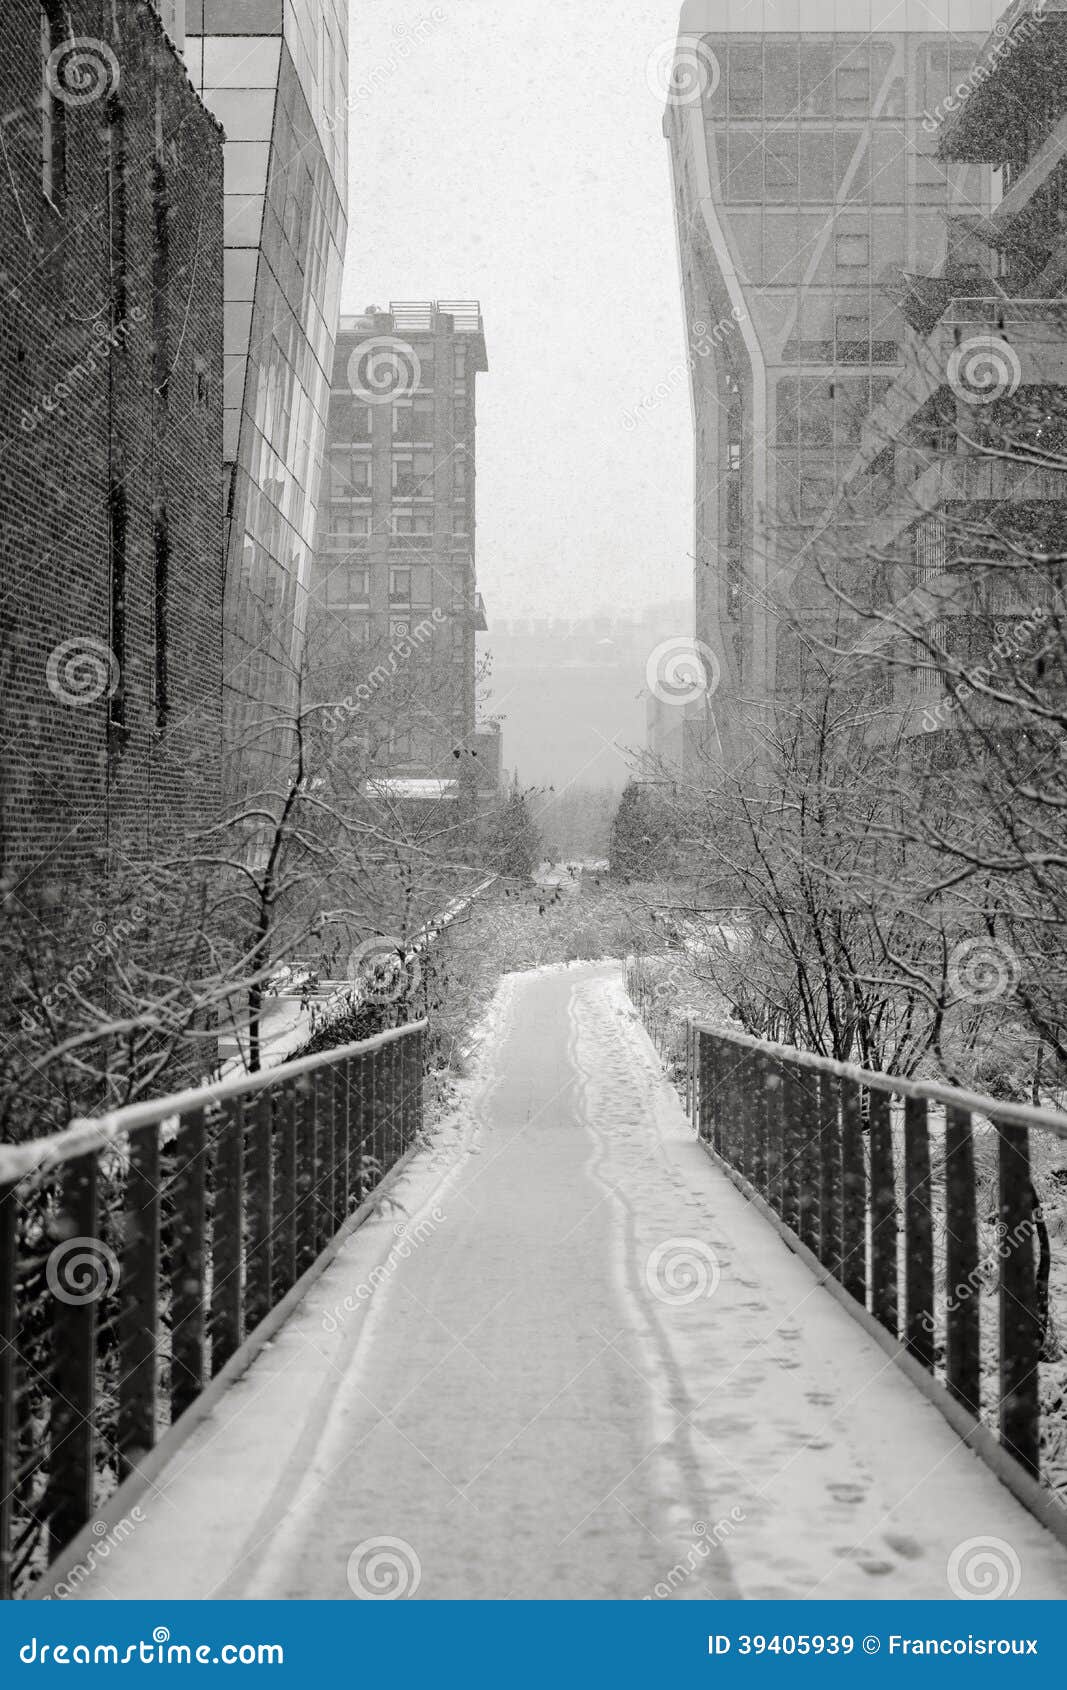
139 1301
306 1229
883 1212
808 1183
227 1227
1020 1338
357 1130
774 1133
286 1207
962 1339
829 1175
341 1130
188 1310
259 1258
853 1194
791 1142
78 1271
9 1325
918 1235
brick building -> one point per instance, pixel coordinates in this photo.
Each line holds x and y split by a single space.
395 604
111 490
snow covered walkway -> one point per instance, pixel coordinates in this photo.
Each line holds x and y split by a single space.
574 1364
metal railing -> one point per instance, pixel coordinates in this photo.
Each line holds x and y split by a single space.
907 1193
141 1251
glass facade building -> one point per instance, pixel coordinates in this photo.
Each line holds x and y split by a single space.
808 190
275 74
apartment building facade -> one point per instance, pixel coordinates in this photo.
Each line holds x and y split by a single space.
808 187
396 608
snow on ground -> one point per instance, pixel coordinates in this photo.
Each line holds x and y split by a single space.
593 1371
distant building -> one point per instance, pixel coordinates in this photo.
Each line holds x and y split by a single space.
396 605
111 371
808 186
275 73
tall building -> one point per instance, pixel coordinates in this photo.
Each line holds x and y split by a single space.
961 467
808 187
396 605
111 250
275 73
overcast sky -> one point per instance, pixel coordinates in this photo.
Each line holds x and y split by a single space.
515 155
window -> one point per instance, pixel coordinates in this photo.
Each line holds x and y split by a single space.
399 585
160 281
854 84
746 79
347 524
853 339
459 477
780 78
413 476
460 520
780 167
816 172
816 66
427 368
413 420
733 506
358 421
410 523
852 252
349 584
734 454
459 365
744 167
53 115
353 476
399 628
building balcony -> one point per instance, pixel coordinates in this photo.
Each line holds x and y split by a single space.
926 481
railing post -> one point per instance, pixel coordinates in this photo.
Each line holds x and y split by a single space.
9 1210
226 1234
1020 1339
72 1479
259 1260
357 1129
883 1213
188 1311
139 1301
853 1194
306 1230
962 1288
341 1130
918 1235
774 1133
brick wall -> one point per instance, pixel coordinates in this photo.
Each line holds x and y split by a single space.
111 485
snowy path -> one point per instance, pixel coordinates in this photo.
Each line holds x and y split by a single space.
593 1372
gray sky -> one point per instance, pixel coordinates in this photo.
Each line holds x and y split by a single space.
514 154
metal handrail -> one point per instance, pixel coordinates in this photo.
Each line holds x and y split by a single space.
145 1255
934 1091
